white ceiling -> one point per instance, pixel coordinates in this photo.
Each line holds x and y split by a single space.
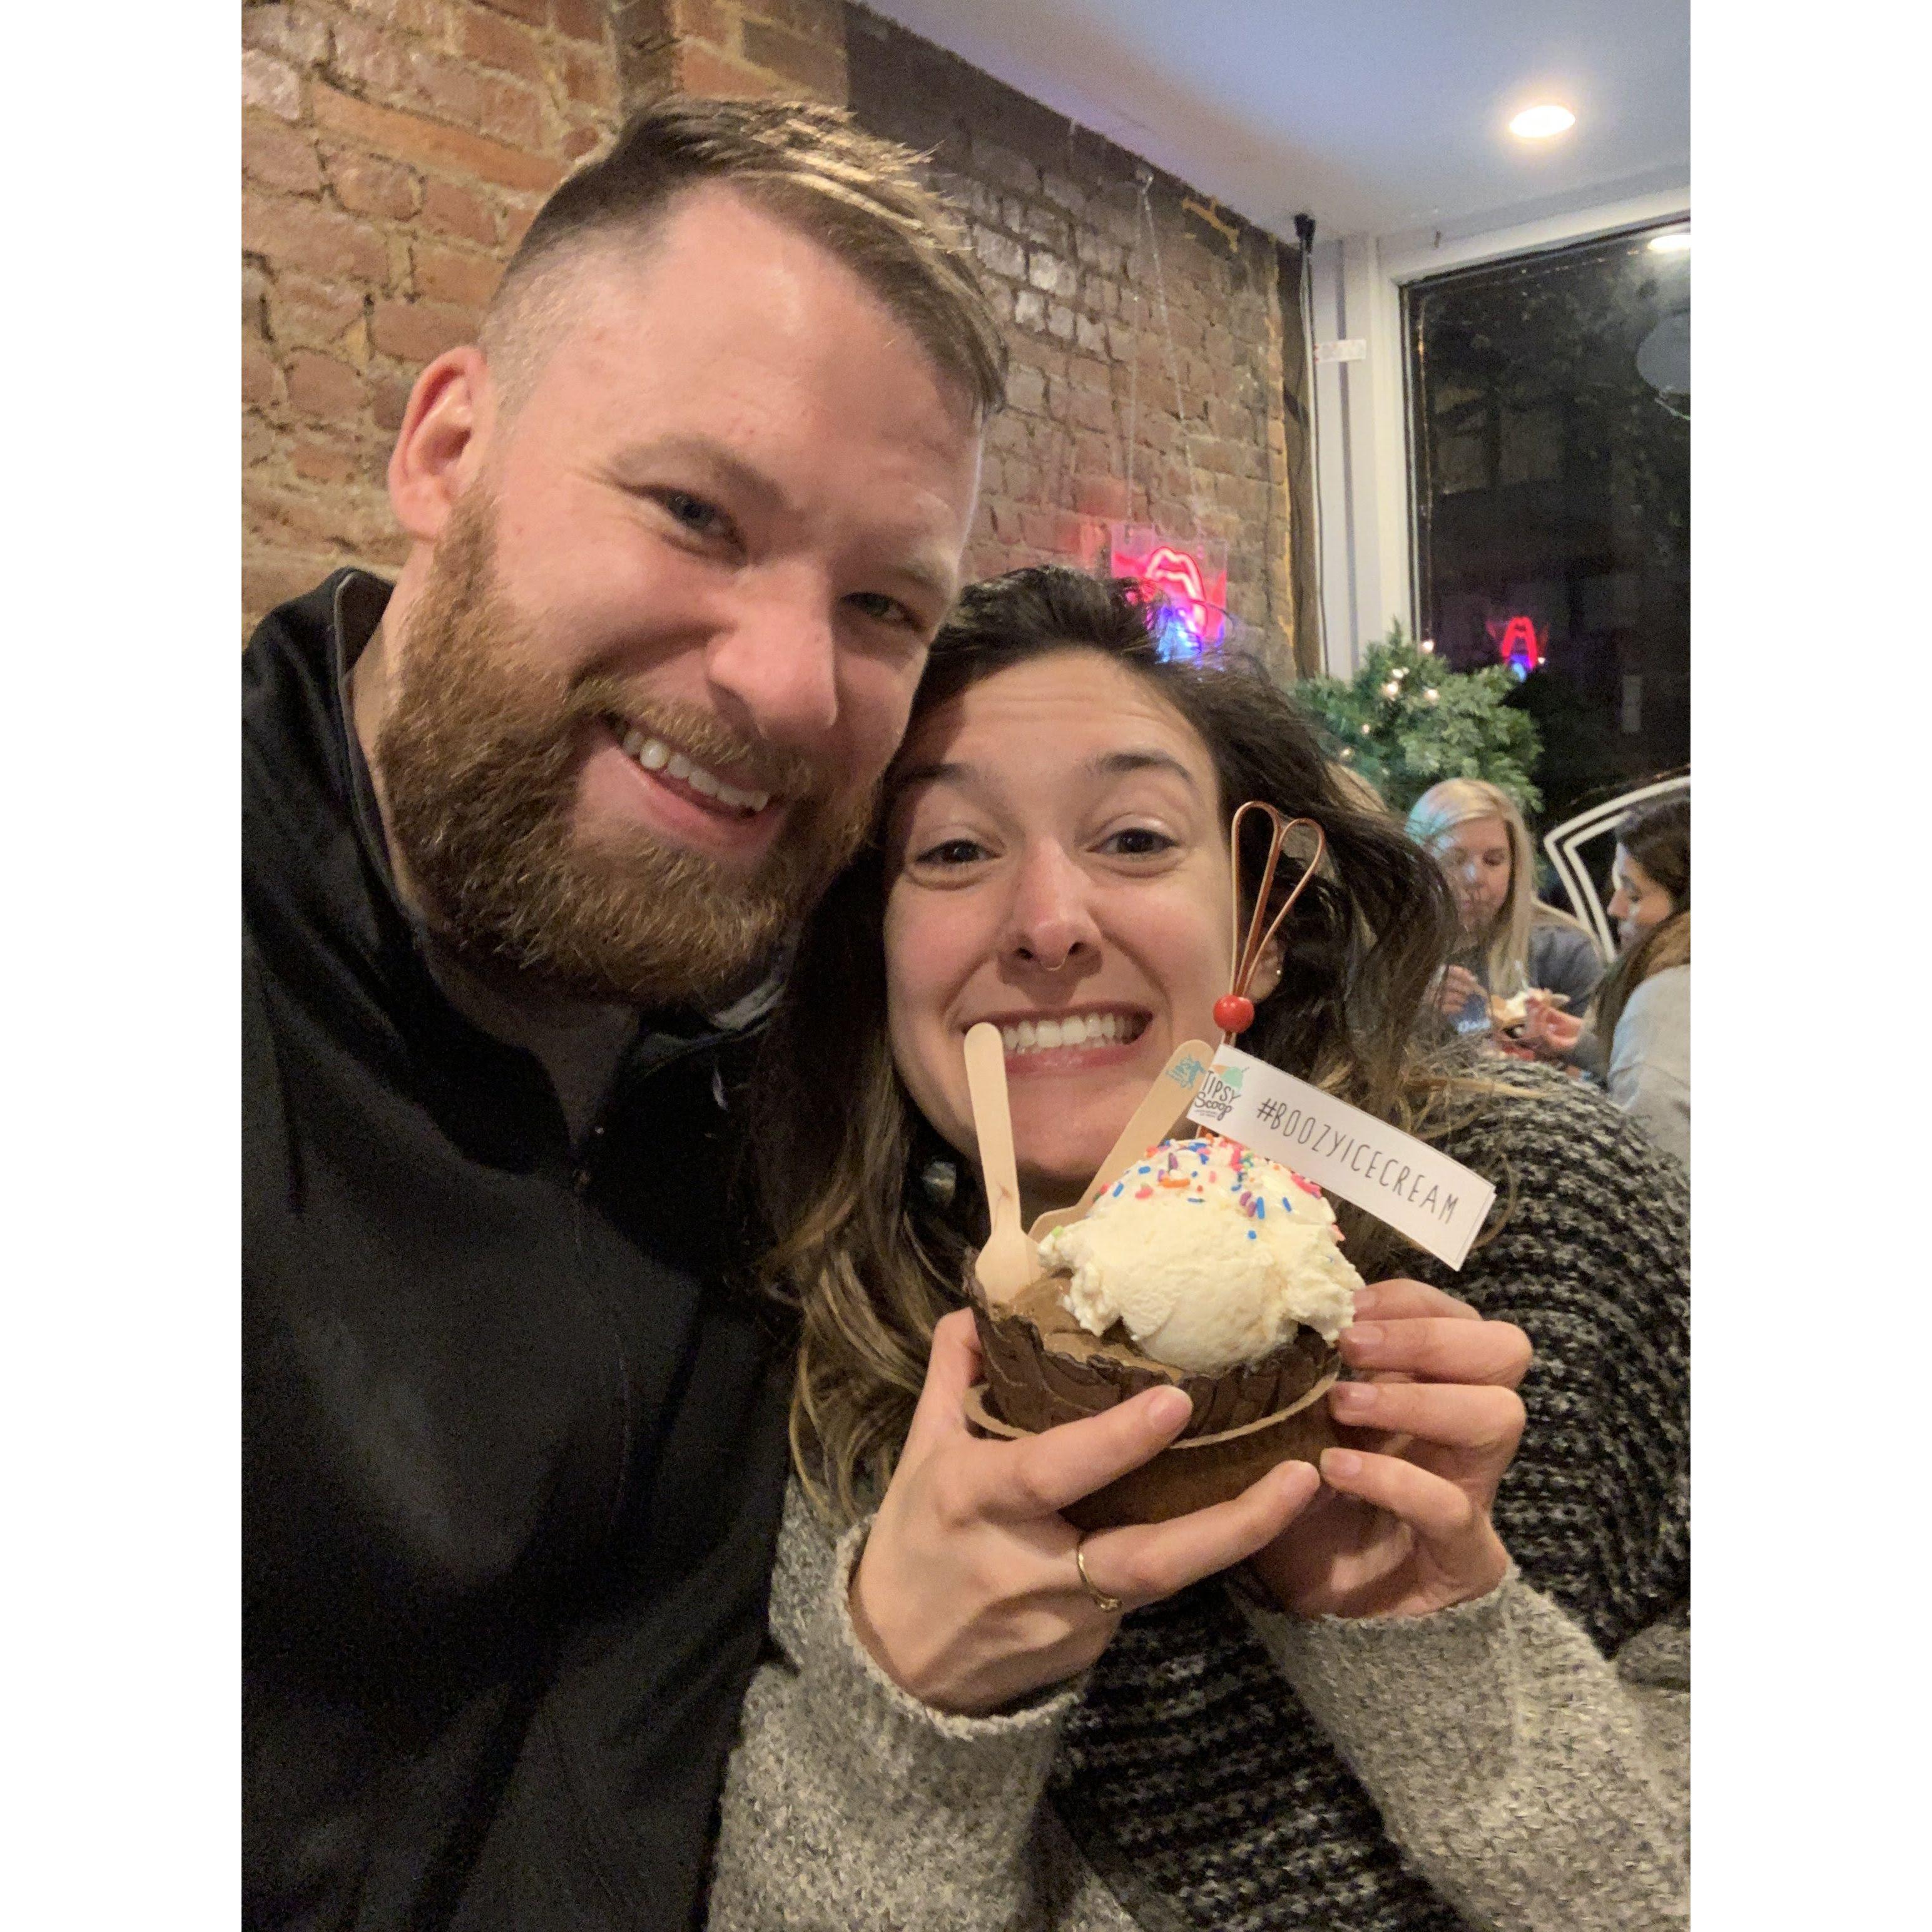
1379 117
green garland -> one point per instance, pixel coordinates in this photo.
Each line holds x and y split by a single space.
1405 721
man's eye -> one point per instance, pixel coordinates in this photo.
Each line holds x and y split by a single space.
953 852
1137 841
886 610
700 518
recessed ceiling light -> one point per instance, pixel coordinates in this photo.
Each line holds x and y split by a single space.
1676 242
1538 124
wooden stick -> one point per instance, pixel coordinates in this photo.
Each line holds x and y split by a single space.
1167 1102
1007 1262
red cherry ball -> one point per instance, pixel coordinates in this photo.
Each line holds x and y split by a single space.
1234 1014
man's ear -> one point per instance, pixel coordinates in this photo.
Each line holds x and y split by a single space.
439 446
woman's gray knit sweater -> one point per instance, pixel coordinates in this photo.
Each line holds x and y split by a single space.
1517 1763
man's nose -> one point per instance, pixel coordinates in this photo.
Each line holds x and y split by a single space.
1051 924
776 667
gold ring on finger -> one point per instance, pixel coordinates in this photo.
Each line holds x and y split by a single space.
1108 1606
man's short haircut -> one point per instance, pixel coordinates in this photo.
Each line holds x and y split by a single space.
859 196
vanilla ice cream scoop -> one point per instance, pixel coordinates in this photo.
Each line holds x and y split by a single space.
1209 1254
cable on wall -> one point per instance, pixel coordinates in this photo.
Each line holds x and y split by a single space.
1145 177
1304 234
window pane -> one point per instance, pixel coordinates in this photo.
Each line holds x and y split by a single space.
1550 406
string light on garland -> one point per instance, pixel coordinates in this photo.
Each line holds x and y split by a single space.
1427 646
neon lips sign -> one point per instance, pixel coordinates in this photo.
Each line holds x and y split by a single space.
1519 643
1195 591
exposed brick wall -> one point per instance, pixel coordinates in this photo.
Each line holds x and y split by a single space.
734 49
393 153
1124 406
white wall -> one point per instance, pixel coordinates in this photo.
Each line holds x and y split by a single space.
1361 408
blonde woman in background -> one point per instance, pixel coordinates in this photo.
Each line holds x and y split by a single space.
1510 943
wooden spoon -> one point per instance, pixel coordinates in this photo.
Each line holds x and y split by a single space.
1007 1262
1167 1102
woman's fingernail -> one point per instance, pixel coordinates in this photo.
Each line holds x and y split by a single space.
1355 1397
1363 1335
1290 1479
1367 1300
1340 1463
1168 1408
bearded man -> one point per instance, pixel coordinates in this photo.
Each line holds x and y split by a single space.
524 838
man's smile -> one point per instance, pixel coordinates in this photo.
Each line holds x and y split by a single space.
685 803
666 761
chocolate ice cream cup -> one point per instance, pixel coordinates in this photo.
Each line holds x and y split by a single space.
1043 1369
1195 1472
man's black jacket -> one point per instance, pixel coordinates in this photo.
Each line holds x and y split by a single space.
514 1455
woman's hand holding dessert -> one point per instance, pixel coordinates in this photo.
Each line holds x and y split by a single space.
1403 1526
1548 1029
968 1595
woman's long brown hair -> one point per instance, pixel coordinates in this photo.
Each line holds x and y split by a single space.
873 1217
1658 838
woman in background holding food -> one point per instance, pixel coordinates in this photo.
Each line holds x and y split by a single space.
1512 944
1449 1687
1643 1007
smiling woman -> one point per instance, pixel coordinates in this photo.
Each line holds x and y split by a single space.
973 1716
1055 852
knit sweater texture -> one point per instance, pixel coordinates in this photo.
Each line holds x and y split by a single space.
1518 1763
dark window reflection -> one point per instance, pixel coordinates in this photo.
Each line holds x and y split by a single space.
1550 407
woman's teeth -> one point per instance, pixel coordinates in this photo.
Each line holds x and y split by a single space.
1076 1029
655 755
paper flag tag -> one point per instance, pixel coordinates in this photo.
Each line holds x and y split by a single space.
1435 1200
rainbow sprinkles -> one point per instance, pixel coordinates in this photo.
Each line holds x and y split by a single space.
1213 1165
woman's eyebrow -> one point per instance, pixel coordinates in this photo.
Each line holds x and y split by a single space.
939 772
1118 764
1105 764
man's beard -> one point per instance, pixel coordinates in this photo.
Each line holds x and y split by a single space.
480 759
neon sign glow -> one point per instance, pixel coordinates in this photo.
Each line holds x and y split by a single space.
1518 642
1186 576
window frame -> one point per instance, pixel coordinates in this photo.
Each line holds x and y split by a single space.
1364 479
